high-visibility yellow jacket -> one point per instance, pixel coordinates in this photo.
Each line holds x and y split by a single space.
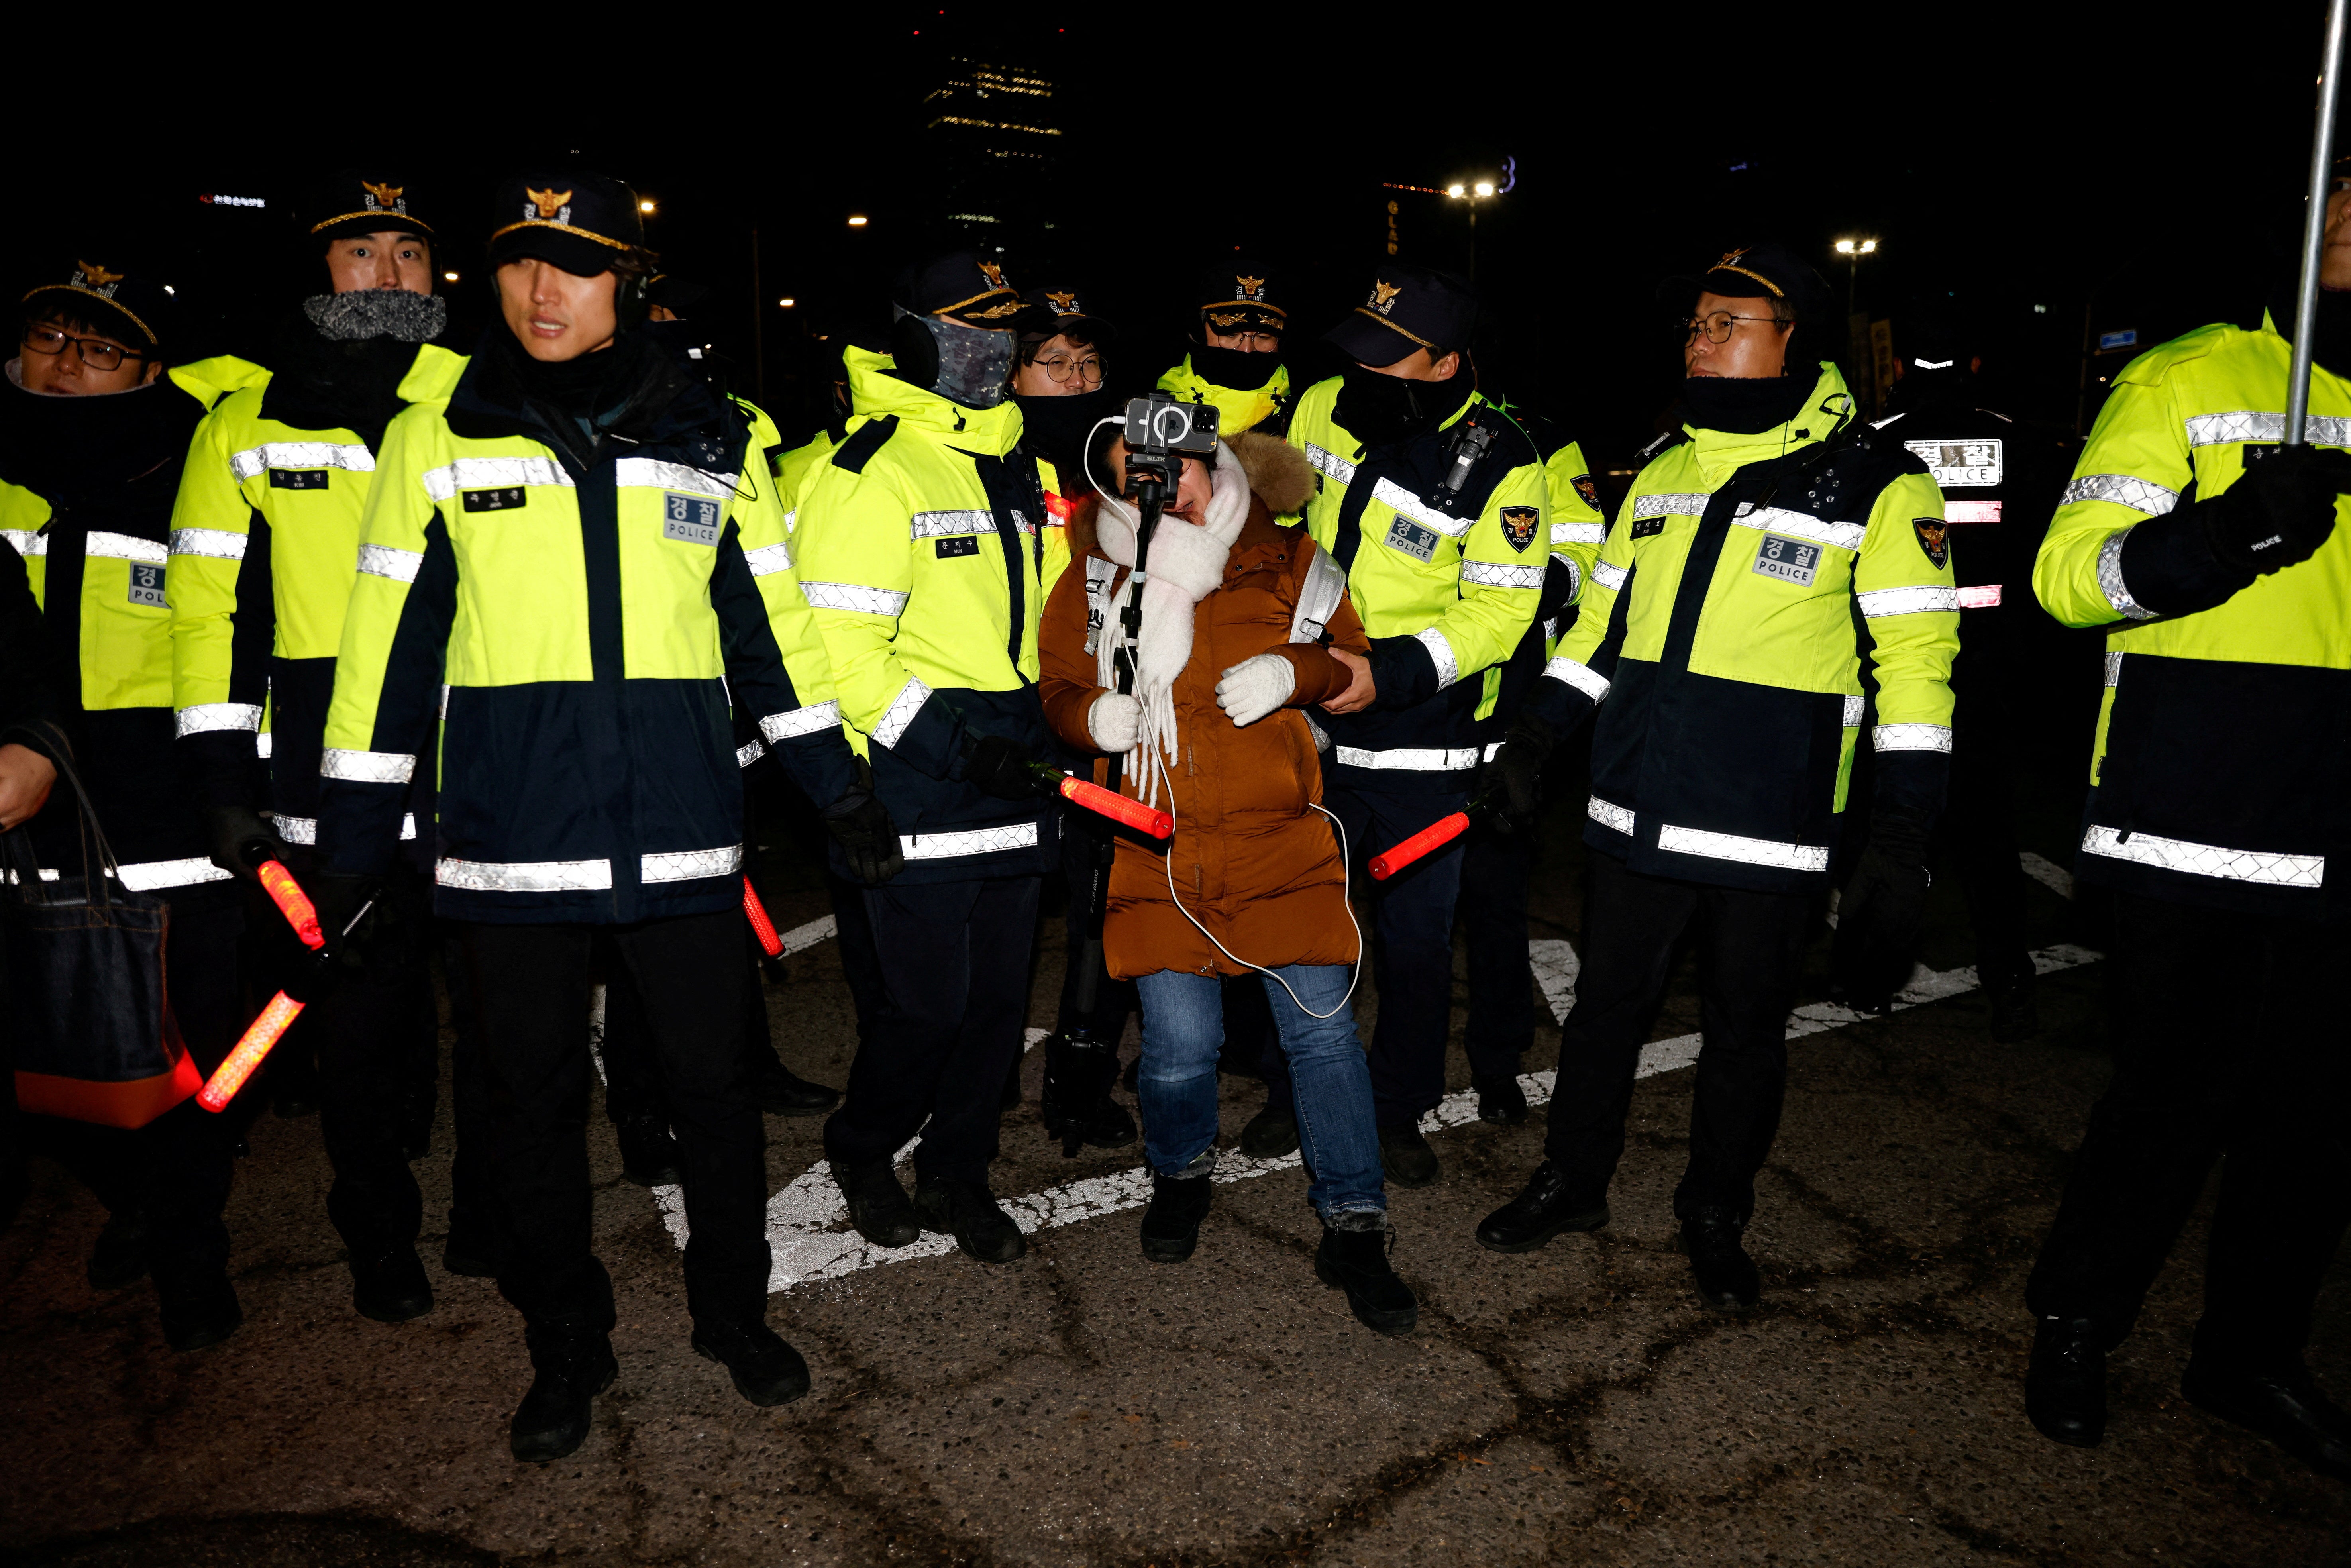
265 546
1462 583
2219 770
1576 531
1719 639
579 630
918 548
793 466
1238 408
97 559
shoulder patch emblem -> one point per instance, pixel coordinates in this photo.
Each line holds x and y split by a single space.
1519 524
1933 541
1587 489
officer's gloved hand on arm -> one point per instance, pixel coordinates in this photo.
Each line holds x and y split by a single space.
1404 671
2276 517
241 840
340 897
859 823
1511 783
1114 721
1006 770
1256 688
1879 915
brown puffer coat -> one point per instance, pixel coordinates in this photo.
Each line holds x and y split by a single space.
1254 863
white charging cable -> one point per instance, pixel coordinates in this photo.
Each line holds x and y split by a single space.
1347 883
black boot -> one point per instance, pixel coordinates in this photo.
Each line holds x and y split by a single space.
1272 1132
648 1152
2066 1386
1357 1261
766 1370
2286 1406
1171 1226
1076 1106
1501 1101
780 1091
2009 998
199 1311
968 1211
118 1258
877 1203
473 1249
390 1288
1407 1159
552 1420
1544 1209
1725 1275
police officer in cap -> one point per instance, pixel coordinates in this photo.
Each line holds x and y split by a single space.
1718 644
1433 501
1235 360
576 559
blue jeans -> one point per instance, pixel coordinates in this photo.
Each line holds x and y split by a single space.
1183 1029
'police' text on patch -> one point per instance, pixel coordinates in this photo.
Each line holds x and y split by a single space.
1519 525
1789 560
1933 540
1409 536
147 585
693 519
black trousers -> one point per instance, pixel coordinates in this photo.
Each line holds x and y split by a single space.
1979 827
525 989
1495 875
1412 945
1115 1000
632 1085
955 971
2230 1043
861 965
1749 948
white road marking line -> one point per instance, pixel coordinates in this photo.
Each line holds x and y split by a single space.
1555 967
2048 874
808 935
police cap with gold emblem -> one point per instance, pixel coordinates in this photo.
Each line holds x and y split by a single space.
581 222
1239 297
963 287
1065 312
1407 309
112 294
363 202
1766 271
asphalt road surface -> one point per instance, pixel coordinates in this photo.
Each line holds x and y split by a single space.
1083 1406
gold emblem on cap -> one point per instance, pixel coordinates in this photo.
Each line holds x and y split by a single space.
385 196
548 202
97 277
995 273
1227 319
1064 303
1384 292
1010 307
1731 256
1250 285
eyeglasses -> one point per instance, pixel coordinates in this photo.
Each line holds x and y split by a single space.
1061 368
96 353
1717 325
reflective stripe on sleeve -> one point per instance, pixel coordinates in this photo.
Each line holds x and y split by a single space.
203 718
524 876
255 461
1486 574
949 525
126 546
855 597
492 473
1911 738
972 842
1676 503
1609 814
1802 525
214 544
2110 579
1390 494
1440 653
1408 758
1854 708
28 542
2122 490
1970 511
368 766
689 865
2207 860
654 473
747 753
892 730
1578 533
1984 596
1609 575
1331 464
813 720
261 744
384 560
1575 587
1581 677
2245 424
1748 851
1880 601
305 830
2114 668
151 876
768 560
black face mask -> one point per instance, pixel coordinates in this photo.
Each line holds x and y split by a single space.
1055 428
1385 411
1234 368
1743 405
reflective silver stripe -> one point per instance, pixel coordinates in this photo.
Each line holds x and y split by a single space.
1677 503
655 473
1331 462
1574 589
791 520
1609 575
1750 852
215 544
1984 596
1854 708
1395 496
1880 601
1581 677
492 474
1488 575
305 830
690 865
813 720
747 753
768 560
524 876
2222 429
949 525
1609 814
2114 669
1408 758
1578 533
972 842
1911 738
149 876
1802 525
1440 653
29 542
254 461
124 547
367 767
2207 860
1970 511
856 597
261 744
2110 578
2122 490
1021 523
203 718
384 560
892 730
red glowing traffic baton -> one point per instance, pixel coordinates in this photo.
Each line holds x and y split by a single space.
1436 835
1118 807
292 903
761 926
240 1064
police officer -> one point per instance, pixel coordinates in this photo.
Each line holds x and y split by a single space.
574 559
1719 643
93 435
918 548
1433 501
2218 776
1235 361
265 535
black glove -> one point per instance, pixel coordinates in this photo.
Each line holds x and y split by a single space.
859 823
1006 770
242 839
340 898
1879 915
1404 674
2280 512
1511 783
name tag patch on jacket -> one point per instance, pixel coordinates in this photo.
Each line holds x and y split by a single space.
147 585
948 549
693 518
1789 560
499 500
297 478
1518 527
1647 527
1933 540
1409 536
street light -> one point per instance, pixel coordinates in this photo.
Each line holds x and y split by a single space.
787 302
857 222
1853 250
448 277
644 206
1472 192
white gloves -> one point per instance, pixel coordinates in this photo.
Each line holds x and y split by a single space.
1113 720
1255 687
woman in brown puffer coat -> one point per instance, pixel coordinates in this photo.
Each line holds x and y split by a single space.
1253 880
